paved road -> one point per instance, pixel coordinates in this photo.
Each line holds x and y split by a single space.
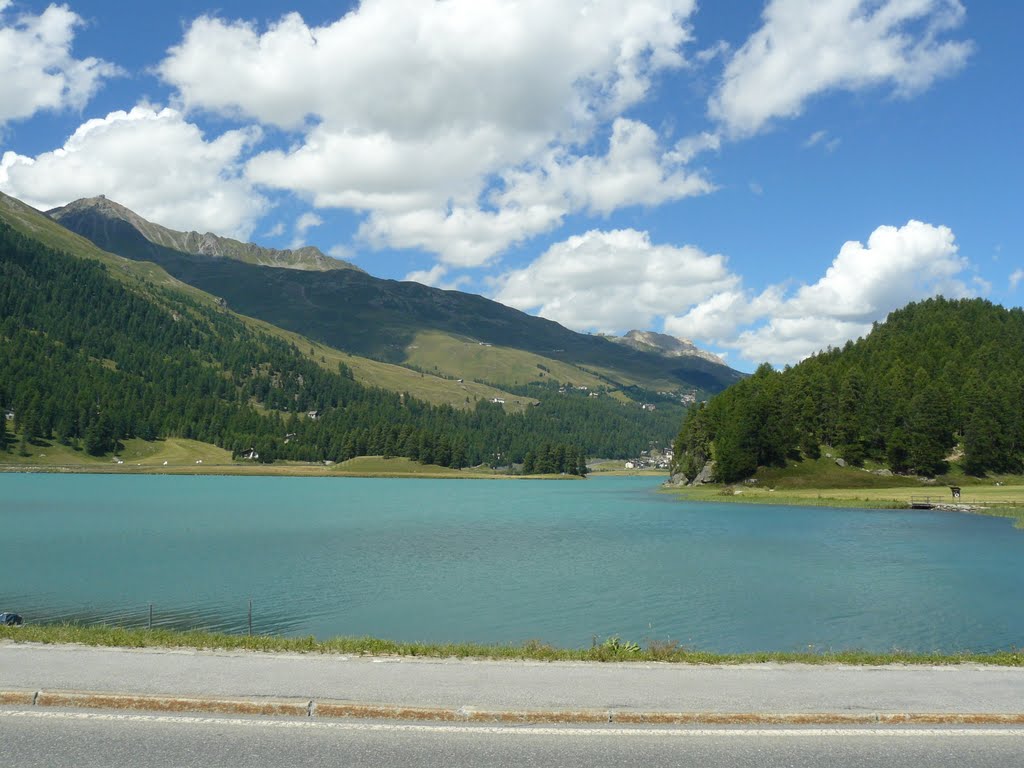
85 739
493 685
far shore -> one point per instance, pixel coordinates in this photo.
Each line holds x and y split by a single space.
1006 500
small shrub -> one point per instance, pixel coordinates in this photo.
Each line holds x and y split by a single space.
664 650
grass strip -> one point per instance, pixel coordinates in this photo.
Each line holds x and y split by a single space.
611 649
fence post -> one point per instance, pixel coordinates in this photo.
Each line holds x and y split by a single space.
151 616
250 617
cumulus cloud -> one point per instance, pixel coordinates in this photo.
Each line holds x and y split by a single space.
475 105
612 281
152 161
1015 278
862 285
37 70
807 47
634 171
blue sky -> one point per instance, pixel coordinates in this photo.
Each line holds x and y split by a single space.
765 178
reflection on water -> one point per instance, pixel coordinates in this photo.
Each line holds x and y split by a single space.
502 562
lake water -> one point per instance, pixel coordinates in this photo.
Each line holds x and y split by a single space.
504 561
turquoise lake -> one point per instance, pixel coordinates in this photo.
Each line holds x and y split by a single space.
504 561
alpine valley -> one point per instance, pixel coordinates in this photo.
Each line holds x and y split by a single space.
115 329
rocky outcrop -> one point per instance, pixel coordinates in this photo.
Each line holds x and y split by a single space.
706 475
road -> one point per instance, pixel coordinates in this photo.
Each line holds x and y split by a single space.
460 685
85 739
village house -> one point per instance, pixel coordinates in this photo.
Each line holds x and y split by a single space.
249 455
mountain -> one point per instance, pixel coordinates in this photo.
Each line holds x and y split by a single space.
397 321
939 381
434 389
99 211
664 345
96 349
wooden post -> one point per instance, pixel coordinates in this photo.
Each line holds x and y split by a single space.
250 617
151 616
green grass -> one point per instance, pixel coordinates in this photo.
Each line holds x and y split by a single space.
824 483
177 452
468 359
194 458
378 466
436 390
612 649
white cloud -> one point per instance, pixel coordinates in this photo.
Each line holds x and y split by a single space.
37 70
150 160
807 47
303 224
1015 278
430 276
822 138
633 172
720 48
815 138
614 281
862 285
535 199
434 67
464 94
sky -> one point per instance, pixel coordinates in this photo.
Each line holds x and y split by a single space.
766 179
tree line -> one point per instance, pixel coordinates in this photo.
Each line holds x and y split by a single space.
939 379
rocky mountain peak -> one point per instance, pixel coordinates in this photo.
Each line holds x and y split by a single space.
207 244
664 345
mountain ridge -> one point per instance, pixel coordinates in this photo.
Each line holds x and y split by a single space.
205 244
378 318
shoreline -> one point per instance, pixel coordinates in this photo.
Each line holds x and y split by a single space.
266 470
986 501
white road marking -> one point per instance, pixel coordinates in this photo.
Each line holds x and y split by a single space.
502 730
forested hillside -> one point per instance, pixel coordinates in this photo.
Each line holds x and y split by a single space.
939 379
90 361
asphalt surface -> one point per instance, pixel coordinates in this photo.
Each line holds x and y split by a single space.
86 739
620 688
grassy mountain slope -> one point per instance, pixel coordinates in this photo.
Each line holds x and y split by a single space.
368 316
